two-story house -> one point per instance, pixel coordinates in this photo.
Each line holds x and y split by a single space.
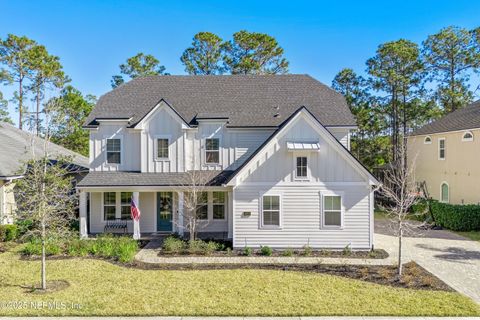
272 151
446 155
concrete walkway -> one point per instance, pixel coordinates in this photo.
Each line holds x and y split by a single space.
456 262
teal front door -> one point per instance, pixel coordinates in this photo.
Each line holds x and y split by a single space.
164 211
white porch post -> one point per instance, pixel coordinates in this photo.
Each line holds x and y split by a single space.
136 223
230 215
83 214
180 213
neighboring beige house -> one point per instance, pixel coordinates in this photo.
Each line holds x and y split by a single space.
15 149
447 156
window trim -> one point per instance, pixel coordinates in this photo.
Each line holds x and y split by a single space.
427 142
225 206
118 205
204 203
121 150
301 155
467 139
340 194
125 205
441 192
155 147
444 148
205 151
280 212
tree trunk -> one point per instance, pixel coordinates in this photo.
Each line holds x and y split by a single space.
44 262
400 235
37 114
20 102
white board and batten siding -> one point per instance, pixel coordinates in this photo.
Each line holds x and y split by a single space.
301 201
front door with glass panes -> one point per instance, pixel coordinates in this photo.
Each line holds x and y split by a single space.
164 211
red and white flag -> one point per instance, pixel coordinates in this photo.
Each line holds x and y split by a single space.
134 211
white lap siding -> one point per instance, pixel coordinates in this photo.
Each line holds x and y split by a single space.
301 217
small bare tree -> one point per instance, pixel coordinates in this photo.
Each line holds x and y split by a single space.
44 195
401 193
194 202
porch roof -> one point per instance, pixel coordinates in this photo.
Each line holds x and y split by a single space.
139 179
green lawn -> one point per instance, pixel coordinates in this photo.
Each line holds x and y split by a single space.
472 235
103 288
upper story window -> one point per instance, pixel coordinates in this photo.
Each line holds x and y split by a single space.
444 192
301 167
467 136
114 151
212 150
428 140
270 211
162 148
441 149
332 211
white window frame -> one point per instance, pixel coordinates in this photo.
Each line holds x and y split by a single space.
225 205
444 148
427 142
118 205
125 205
298 155
467 139
280 211
155 147
441 193
342 208
115 165
219 151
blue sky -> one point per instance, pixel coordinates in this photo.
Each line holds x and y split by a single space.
319 37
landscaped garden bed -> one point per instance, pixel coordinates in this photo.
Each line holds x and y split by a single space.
174 246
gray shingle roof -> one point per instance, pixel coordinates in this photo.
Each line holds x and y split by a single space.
123 179
462 119
15 149
247 100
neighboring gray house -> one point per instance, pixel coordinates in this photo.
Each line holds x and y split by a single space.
273 151
16 148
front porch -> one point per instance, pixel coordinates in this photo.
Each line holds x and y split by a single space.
163 211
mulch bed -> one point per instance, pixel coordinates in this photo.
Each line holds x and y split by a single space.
374 254
414 276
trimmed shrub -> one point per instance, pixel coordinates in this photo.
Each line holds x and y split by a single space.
34 247
8 232
307 250
287 252
173 245
266 250
456 217
197 247
125 249
248 251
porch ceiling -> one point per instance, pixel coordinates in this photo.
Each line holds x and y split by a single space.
139 179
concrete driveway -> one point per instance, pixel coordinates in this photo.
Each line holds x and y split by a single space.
450 257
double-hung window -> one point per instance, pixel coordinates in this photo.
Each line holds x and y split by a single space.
202 206
126 201
218 204
441 149
109 205
162 148
301 168
332 211
271 211
114 151
212 150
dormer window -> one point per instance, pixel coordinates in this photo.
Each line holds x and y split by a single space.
301 167
467 136
212 151
114 151
428 140
162 148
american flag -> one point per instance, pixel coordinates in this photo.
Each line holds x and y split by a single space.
134 211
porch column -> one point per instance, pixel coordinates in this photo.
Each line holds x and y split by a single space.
180 213
83 214
136 223
230 215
